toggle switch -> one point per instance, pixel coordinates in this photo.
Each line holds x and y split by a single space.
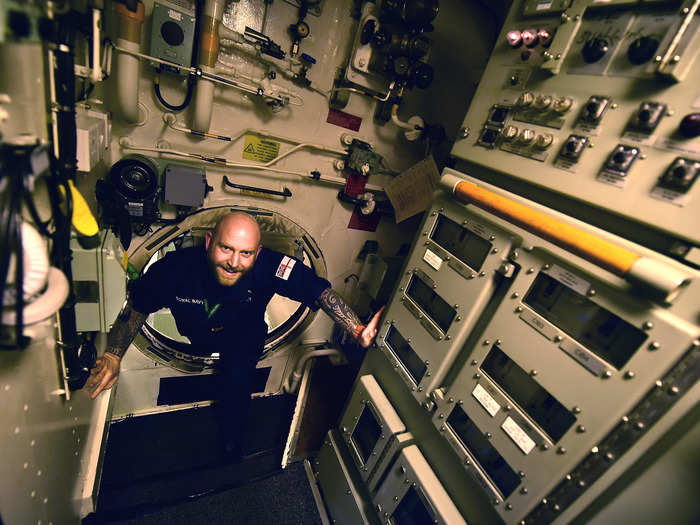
526 136
594 109
509 133
525 99
542 102
680 175
648 116
543 141
573 147
621 159
562 104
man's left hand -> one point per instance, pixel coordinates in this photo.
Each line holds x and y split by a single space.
368 335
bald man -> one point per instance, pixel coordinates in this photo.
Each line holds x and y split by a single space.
218 296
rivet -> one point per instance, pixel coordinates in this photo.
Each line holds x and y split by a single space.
474 362
677 58
427 374
460 402
451 400
609 456
492 237
530 270
489 435
607 374
547 266
26 408
581 429
576 410
427 362
420 389
521 473
496 502
425 233
518 309
498 341
613 105
648 325
674 390
507 408
629 374
556 507
26 465
32 443
442 428
545 446
591 292
658 58
523 490
33 493
533 373
581 483
38 473
558 56
495 250
561 450
482 273
456 306
514 255
658 383
685 10
470 276
477 376
487 342
640 425
654 345
441 416
515 295
448 337
509 506
16 430
458 318
558 338
46 500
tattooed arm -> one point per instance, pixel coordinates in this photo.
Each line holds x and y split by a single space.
338 310
106 370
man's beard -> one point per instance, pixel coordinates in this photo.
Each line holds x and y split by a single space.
226 275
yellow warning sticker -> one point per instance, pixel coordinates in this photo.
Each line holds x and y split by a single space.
260 149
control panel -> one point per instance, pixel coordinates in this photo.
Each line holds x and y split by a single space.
565 367
597 102
455 271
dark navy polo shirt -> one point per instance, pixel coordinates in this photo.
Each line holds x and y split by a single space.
216 316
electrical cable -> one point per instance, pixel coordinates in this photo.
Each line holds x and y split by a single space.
171 107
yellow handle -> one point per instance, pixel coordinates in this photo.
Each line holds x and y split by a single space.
594 249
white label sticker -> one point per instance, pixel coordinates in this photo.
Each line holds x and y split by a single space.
518 435
483 397
569 279
175 15
285 268
544 5
432 259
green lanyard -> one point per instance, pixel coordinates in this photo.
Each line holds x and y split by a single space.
211 312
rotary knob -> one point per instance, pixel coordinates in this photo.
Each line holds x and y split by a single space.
514 39
562 104
594 50
525 99
530 37
642 49
526 136
544 140
509 133
690 125
542 102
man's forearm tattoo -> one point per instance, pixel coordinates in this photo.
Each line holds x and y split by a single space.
124 329
338 310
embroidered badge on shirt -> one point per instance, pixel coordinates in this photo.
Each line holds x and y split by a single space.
285 268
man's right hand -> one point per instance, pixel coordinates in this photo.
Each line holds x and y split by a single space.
104 374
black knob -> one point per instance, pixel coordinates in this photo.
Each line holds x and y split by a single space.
401 66
619 157
525 54
594 50
690 125
679 172
571 145
642 49
422 74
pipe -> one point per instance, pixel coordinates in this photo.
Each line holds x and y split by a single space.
292 382
659 278
127 78
208 53
46 304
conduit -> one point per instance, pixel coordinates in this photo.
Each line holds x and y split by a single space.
208 53
47 304
662 279
127 81
125 143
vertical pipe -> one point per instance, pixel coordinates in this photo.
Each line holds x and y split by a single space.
208 53
127 66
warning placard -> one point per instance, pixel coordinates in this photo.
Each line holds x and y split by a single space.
260 149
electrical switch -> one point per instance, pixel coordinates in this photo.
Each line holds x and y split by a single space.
621 159
648 116
573 147
526 136
680 175
594 109
545 37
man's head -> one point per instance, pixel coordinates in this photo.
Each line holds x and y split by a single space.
233 247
